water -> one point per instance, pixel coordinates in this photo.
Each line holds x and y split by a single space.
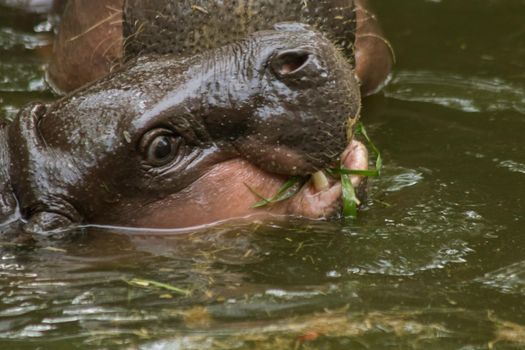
435 260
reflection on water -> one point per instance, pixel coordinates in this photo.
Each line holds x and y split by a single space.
513 166
435 260
465 93
398 181
12 39
24 41
509 279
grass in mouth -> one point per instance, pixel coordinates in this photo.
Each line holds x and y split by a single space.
286 191
350 200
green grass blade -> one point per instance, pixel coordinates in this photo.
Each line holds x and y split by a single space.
286 191
264 200
360 129
350 201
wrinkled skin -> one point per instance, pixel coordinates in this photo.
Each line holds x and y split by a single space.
96 36
174 141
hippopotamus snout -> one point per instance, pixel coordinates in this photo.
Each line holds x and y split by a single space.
309 100
170 141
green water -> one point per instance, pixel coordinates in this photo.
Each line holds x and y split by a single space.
436 260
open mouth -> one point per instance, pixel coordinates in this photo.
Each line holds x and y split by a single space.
231 189
321 196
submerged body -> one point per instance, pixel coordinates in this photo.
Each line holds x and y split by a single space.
171 141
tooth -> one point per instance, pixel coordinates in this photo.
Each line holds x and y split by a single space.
320 181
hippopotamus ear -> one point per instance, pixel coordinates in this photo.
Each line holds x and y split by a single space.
47 223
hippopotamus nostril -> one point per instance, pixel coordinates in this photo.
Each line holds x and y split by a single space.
303 67
290 62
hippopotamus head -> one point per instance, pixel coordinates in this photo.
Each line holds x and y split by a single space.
96 36
170 141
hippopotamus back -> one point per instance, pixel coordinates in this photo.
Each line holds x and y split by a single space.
192 26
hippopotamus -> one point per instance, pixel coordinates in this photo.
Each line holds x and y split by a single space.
170 141
95 37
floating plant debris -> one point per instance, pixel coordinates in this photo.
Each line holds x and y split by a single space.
139 282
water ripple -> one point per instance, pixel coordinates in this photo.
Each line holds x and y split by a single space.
405 178
508 279
452 90
10 38
512 166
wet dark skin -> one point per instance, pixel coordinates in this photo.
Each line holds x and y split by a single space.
96 36
173 141
219 125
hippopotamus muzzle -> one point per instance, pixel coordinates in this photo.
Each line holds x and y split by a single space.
170 141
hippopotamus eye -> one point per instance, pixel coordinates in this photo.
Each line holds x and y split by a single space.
160 146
